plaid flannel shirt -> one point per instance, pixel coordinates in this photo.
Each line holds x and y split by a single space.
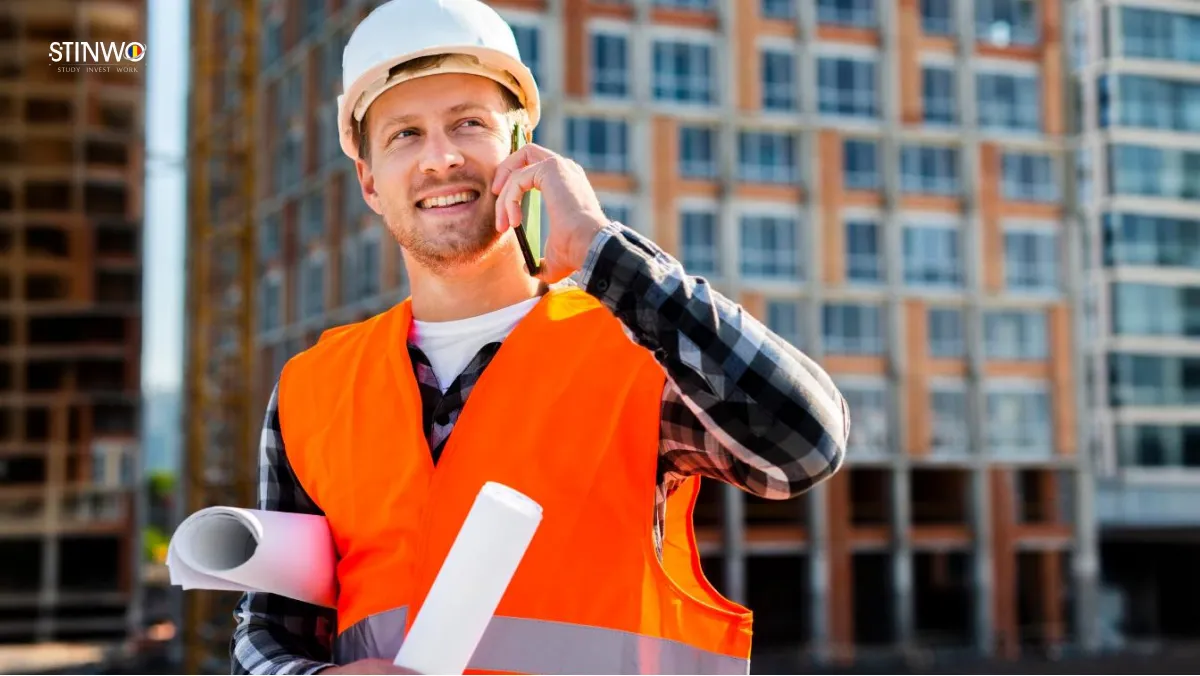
741 406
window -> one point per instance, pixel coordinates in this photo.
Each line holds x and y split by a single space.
697 152
291 94
948 429
620 213
779 80
1155 310
349 270
685 4
1154 172
861 164
1018 422
369 252
1009 102
288 161
330 147
1137 380
937 17
1158 445
530 48
847 87
312 286
610 65
683 72
930 170
361 265
778 9
272 36
938 99
1015 334
1029 177
270 237
932 256
1153 380
767 157
1083 174
859 13
769 247
699 239
946 333
783 318
869 431
863 261
312 216
1153 34
1031 260
270 315
353 206
1007 22
852 328
598 144
1104 103
331 63
1157 103
314 16
1140 239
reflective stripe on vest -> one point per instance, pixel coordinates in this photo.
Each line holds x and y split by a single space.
514 644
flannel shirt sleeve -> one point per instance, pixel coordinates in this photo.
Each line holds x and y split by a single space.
741 405
275 634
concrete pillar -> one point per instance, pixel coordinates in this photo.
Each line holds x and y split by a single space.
818 553
734 542
982 560
818 499
1085 566
552 129
903 613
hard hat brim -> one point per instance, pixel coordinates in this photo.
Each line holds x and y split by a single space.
374 82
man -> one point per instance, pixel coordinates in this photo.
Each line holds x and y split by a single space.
603 388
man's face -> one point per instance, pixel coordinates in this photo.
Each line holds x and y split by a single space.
434 145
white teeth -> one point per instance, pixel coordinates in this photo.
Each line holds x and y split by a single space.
446 200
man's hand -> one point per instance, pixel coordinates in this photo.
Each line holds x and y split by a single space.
368 666
571 205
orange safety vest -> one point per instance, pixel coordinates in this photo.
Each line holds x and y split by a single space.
568 414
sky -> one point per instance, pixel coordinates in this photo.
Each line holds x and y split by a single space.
165 195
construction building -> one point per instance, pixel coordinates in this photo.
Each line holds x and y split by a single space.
882 181
1137 79
71 158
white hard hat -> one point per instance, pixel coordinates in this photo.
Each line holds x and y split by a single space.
401 30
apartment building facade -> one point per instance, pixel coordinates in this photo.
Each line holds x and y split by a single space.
883 183
1136 77
71 158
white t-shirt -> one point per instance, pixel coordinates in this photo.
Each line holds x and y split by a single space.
450 346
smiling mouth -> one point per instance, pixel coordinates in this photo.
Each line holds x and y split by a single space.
443 201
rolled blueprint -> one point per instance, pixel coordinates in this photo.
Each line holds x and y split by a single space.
471 581
233 549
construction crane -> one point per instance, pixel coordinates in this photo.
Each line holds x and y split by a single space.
219 419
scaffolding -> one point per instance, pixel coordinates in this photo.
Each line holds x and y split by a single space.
220 448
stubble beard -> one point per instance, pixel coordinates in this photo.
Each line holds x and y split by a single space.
464 242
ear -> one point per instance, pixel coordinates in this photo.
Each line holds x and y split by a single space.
366 180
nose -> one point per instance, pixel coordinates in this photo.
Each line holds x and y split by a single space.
439 154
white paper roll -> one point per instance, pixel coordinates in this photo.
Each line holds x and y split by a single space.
233 549
471 581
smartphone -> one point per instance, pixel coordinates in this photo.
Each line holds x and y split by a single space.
529 232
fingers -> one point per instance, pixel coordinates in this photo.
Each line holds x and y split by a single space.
530 153
508 204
